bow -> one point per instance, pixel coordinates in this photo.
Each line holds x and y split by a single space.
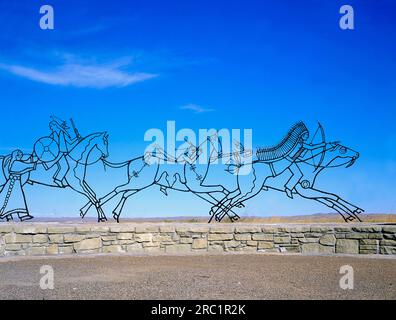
320 128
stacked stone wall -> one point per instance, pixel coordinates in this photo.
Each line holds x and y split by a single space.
38 239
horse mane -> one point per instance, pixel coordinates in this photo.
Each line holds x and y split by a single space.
79 145
285 146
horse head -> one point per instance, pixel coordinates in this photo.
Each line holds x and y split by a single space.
338 155
102 144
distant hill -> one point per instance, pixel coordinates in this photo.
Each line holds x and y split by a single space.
314 218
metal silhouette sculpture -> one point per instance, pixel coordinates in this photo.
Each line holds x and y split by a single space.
62 159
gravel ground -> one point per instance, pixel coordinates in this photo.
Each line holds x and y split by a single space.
199 277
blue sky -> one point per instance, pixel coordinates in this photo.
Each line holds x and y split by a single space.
128 66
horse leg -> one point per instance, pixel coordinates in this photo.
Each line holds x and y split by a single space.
101 215
249 186
315 194
83 188
339 210
204 191
217 210
353 214
352 207
84 210
115 192
108 197
335 198
120 206
210 199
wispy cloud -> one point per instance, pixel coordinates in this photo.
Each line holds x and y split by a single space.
196 108
81 75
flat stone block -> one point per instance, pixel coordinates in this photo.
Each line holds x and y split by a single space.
385 229
199 229
282 240
321 229
167 229
220 230
347 246
265 245
200 243
40 238
263 236
388 242
367 229
113 249
100 229
125 236
60 229
388 250
243 237
66 250
30 229
231 244
247 229
36 251
70 238
308 240
310 248
83 229
216 248
147 229
252 243
52 249
270 229
13 247
56 238
184 240
88 244
135 248
178 248
328 240
220 237
5 228
144 237
17 238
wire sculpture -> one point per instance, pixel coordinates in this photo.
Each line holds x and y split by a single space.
62 159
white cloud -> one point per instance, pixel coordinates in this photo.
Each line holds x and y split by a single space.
80 75
196 108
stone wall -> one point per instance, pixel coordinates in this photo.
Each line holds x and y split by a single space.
37 239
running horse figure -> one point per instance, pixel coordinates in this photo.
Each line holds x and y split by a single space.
276 171
86 152
183 173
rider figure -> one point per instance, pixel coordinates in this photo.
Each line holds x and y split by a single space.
60 134
299 152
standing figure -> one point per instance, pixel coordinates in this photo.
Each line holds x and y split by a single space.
60 134
12 196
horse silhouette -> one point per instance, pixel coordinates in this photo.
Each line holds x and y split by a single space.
79 159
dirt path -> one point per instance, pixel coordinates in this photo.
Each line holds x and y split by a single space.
199 277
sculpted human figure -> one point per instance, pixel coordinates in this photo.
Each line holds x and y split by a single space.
60 134
299 152
12 196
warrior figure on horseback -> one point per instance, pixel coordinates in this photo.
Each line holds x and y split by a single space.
286 154
52 150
